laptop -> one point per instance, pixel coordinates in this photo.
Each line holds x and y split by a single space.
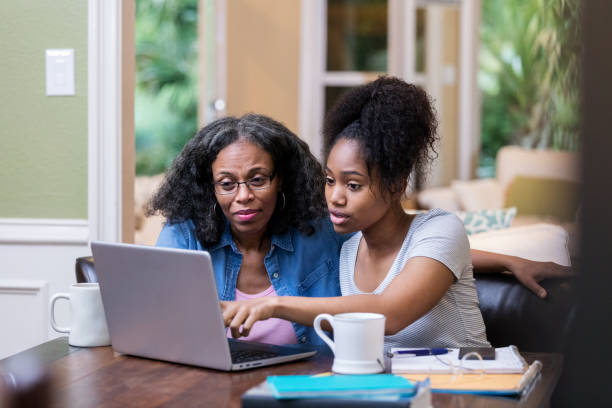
162 303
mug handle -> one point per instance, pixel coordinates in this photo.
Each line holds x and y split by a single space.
52 308
321 333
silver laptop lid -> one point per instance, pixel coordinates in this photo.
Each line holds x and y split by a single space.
162 303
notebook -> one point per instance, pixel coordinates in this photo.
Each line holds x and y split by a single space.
508 360
308 386
162 303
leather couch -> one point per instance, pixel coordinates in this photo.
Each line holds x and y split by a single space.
515 315
84 270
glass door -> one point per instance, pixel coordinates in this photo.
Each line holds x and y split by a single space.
347 43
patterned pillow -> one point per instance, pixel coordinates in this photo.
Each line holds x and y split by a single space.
486 220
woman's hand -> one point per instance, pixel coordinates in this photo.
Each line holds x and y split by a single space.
245 313
529 273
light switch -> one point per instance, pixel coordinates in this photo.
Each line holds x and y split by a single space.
60 72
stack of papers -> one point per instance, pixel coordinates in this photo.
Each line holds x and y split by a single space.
329 390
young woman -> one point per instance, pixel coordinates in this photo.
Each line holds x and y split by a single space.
416 270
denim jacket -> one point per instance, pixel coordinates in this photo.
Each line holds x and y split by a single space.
297 265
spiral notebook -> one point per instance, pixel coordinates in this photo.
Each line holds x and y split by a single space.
508 360
507 375
485 384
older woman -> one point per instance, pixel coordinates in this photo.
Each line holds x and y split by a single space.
249 192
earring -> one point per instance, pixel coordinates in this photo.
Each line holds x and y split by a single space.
284 201
215 207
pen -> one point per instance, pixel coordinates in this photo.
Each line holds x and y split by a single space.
419 352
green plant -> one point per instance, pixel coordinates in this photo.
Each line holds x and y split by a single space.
529 74
166 75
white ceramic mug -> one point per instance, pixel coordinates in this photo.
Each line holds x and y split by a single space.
88 326
358 344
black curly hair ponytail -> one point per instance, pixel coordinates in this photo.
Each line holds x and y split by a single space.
393 122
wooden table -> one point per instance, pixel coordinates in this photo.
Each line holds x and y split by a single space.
87 377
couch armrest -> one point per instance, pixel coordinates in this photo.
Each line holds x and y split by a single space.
537 242
514 315
438 197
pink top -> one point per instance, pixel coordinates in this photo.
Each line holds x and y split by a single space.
273 330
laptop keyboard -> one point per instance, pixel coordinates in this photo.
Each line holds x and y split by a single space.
242 356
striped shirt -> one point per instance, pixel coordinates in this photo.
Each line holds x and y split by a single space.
456 320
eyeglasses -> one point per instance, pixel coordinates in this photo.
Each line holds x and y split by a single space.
254 183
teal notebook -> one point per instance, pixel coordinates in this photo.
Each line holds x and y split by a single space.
307 386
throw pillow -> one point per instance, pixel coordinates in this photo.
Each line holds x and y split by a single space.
544 197
438 197
538 242
486 220
478 194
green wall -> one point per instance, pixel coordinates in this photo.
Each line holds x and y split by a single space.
43 139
